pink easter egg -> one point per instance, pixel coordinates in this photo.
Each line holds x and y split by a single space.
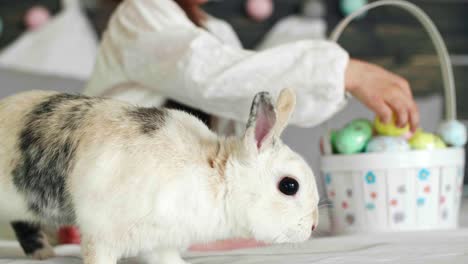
36 17
259 10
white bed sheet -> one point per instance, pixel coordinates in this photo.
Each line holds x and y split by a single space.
426 247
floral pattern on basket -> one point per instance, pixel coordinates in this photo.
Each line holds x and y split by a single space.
370 177
423 174
394 198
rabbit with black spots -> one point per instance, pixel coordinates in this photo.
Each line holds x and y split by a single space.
146 180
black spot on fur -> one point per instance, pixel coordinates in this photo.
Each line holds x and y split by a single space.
76 114
29 236
149 119
47 145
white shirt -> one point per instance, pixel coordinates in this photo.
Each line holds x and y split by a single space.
152 51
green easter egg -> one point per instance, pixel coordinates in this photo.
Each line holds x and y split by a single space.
363 125
354 137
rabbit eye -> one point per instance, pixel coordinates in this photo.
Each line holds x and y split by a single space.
288 186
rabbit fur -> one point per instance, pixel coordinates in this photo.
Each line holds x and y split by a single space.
147 181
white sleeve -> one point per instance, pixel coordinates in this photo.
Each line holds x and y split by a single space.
155 45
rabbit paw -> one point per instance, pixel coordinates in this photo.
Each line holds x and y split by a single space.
44 253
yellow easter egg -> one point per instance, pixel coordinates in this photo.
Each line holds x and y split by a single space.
421 140
424 140
439 143
389 129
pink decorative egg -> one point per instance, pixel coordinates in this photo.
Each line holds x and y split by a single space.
259 10
36 17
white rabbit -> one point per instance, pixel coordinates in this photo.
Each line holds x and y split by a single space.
146 180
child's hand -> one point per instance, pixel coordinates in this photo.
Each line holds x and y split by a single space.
383 92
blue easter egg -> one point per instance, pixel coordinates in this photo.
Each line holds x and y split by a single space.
387 144
453 133
350 6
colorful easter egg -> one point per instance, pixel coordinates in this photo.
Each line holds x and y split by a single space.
361 124
349 6
424 140
259 10
453 133
36 17
387 144
390 129
353 137
439 143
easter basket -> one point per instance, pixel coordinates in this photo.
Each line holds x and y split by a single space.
396 191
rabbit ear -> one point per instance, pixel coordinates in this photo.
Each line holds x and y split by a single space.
267 122
284 107
261 121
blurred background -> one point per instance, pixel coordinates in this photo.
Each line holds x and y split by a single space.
387 36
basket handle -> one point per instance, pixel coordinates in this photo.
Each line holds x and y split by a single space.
441 49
